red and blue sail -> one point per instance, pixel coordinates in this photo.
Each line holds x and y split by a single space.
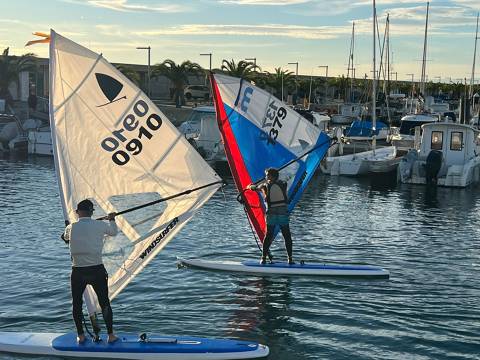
259 131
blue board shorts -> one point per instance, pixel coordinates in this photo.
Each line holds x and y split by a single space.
275 219
277 216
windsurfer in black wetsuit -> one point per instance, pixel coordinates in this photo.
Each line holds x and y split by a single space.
85 238
275 192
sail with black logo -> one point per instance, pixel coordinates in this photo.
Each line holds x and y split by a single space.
127 158
120 155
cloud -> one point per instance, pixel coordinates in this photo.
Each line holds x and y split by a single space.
125 6
265 2
267 30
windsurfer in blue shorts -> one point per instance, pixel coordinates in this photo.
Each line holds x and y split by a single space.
274 191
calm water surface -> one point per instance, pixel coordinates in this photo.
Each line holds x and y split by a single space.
429 309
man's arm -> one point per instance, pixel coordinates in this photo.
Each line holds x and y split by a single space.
66 234
111 229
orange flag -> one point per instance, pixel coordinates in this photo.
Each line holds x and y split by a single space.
46 39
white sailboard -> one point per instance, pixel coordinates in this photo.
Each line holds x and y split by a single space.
283 268
259 131
113 146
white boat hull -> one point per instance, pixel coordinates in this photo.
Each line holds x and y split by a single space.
455 175
379 161
281 268
128 347
40 142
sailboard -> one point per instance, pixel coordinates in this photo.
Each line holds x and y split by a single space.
283 268
131 347
259 131
113 146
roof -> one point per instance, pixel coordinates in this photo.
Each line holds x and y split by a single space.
449 125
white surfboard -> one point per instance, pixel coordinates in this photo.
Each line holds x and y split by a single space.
129 346
283 268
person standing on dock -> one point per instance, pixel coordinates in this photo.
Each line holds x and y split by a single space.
274 191
85 238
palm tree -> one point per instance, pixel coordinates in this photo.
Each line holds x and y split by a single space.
244 69
130 73
280 79
10 68
178 75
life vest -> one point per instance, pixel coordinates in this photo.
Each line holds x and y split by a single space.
276 194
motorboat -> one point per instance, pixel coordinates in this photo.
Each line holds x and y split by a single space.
449 155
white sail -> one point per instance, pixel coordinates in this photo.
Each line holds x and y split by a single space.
114 146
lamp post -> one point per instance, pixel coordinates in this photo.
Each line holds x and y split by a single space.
411 98
282 85
254 61
148 69
210 63
296 79
326 78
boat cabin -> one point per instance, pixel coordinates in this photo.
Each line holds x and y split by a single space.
457 142
410 122
354 110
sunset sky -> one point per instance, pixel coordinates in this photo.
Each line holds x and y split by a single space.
275 32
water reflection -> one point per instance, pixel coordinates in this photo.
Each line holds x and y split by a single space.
264 313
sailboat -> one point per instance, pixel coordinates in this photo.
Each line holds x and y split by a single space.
380 160
259 131
113 146
351 110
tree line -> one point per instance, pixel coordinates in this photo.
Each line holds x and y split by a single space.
280 82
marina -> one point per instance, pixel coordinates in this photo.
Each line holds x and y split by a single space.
173 211
427 240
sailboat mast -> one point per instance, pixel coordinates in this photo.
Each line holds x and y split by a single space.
374 83
424 60
351 66
387 31
472 78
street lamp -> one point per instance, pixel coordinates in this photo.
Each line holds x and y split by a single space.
148 76
411 76
326 78
254 61
296 79
210 63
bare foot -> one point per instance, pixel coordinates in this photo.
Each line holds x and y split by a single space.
81 339
112 338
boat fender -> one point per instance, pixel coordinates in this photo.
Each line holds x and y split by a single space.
432 166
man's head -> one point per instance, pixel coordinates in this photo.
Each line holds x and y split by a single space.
85 208
271 174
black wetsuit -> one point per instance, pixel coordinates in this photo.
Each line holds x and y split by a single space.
97 277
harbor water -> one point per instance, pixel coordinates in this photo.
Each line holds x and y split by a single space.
428 309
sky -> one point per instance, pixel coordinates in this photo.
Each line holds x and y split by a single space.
314 33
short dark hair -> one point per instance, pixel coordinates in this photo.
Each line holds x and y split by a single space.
85 205
273 172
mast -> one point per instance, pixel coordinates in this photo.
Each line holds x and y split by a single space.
374 84
387 31
351 64
424 60
472 78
